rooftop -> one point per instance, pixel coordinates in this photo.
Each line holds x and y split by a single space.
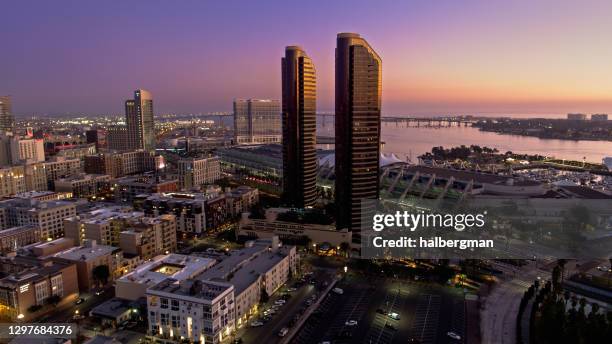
91 250
197 289
157 270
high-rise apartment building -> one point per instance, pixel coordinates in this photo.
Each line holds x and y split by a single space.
257 121
357 126
139 120
7 121
299 128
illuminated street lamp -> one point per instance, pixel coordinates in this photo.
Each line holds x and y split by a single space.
345 269
20 316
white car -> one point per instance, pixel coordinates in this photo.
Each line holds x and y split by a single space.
351 323
453 335
256 324
279 302
283 332
338 291
394 316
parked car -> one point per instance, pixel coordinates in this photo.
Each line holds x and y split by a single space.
338 291
394 316
256 324
351 323
79 301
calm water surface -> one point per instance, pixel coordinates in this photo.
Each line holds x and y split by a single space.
412 141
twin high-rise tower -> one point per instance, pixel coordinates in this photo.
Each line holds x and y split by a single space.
357 126
299 128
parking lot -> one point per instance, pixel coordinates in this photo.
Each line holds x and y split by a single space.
386 312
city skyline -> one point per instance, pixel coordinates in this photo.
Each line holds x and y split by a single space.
459 58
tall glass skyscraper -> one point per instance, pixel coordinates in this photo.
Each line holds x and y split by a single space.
357 126
299 128
7 121
139 120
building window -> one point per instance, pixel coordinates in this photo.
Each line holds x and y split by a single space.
163 303
42 292
57 286
175 305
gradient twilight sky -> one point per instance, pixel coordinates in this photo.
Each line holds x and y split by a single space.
484 56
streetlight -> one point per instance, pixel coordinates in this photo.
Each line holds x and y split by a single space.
345 269
20 316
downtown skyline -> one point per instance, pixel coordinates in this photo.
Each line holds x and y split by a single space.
448 58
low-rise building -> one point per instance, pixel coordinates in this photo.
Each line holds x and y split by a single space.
61 167
148 237
127 188
88 257
270 225
83 185
196 310
102 225
48 216
12 181
28 285
13 238
194 173
189 209
134 285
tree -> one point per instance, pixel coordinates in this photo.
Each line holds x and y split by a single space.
101 273
53 300
264 296
344 247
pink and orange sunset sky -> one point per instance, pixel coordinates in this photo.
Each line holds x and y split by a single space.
196 56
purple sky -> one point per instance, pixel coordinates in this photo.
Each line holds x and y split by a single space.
196 56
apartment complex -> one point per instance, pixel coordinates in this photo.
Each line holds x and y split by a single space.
117 137
119 164
48 216
61 167
17 149
196 172
102 225
83 185
257 121
149 236
13 238
134 285
207 306
12 181
127 188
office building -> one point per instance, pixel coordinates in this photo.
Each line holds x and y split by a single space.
357 126
48 216
7 120
28 282
35 177
299 128
196 172
139 121
257 121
